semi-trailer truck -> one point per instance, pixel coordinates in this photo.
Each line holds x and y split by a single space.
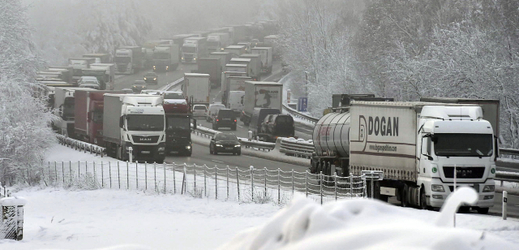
134 124
193 48
235 50
224 57
266 58
217 41
197 88
213 67
128 59
165 57
260 95
255 65
421 148
64 108
178 127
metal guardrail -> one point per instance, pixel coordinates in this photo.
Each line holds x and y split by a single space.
80 145
508 151
300 115
172 84
294 147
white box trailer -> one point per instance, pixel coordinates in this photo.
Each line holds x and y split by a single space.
261 95
255 65
266 58
197 87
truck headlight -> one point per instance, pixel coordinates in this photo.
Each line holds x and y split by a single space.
437 188
219 145
155 79
188 147
237 146
489 188
154 67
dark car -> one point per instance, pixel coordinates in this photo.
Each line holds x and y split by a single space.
151 78
225 118
138 86
277 125
258 115
225 142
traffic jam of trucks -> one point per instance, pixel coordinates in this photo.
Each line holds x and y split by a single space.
421 151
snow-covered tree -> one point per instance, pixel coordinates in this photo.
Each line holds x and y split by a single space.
25 134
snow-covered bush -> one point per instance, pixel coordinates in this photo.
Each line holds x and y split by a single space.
24 130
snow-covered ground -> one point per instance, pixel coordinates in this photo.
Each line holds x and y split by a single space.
97 219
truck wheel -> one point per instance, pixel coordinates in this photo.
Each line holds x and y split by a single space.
403 197
482 210
423 203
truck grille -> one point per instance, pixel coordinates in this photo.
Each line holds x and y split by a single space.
464 172
145 139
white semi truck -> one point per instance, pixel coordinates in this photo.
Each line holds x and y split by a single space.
165 57
128 59
217 42
193 48
260 95
266 58
64 108
421 148
134 124
197 88
109 76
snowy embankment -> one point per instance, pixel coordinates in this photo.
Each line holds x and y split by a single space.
98 219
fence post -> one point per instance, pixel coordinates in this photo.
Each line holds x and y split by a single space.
79 170
145 175
265 191
63 172
127 175
238 182
194 177
293 183
56 171
110 173
335 181
205 180
174 180
183 180
252 181
306 183
321 180
155 175
102 175
94 166
351 185
86 167
216 182
136 176
119 174
227 177
70 171
279 186
12 217
505 202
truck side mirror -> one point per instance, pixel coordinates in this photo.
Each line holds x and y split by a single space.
194 123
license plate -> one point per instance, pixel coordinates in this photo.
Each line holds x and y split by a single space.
145 152
229 147
226 119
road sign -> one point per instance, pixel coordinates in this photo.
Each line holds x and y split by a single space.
302 104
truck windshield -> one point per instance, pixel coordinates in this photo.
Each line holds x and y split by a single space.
213 44
178 123
161 56
145 122
463 145
189 49
122 59
68 109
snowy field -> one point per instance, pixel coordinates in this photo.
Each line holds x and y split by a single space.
101 219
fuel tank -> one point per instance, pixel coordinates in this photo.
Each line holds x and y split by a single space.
331 135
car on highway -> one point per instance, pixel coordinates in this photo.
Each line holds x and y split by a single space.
225 143
225 118
213 109
89 82
138 86
151 78
199 110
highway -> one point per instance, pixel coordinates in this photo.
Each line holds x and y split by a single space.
201 154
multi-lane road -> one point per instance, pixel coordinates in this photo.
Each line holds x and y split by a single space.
201 154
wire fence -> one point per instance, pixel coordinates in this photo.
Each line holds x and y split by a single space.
259 185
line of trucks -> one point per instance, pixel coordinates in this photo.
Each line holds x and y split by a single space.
423 150
144 125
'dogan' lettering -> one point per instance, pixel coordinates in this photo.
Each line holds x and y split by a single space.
384 126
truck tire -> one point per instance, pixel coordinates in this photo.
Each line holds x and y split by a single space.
403 196
482 210
423 203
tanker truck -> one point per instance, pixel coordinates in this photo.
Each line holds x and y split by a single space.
418 146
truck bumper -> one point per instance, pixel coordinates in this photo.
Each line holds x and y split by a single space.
149 153
437 199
